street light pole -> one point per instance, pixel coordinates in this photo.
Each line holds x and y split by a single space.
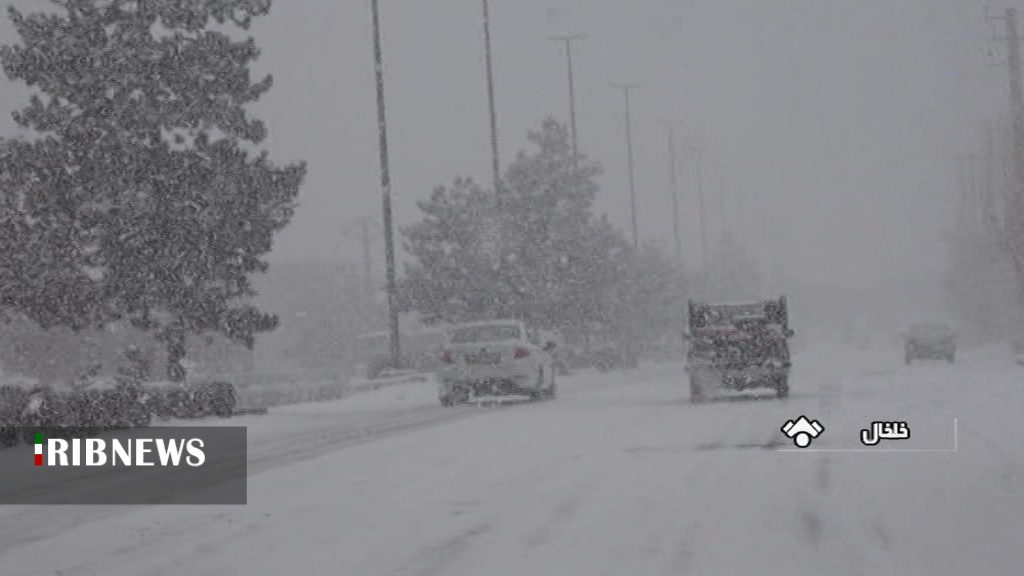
724 220
703 216
568 39
495 164
629 157
674 179
698 156
385 183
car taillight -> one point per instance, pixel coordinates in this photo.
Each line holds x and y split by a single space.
520 353
447 358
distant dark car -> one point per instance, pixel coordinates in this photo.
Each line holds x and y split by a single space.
929 341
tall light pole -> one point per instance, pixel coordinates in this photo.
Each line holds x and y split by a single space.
385 184
495 164
568 39
1014 220
724 221
698 155
629 157
367 273
741 220
674 180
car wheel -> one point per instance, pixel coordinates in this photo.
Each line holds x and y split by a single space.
539 391
446 401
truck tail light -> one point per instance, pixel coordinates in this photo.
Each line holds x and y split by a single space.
520 353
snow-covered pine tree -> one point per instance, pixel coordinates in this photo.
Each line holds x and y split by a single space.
140 197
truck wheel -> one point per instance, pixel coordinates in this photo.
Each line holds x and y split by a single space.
782 387
696 391
457 394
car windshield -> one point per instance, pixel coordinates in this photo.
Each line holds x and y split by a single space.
485 333
726 314
930 328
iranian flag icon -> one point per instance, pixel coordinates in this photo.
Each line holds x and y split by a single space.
39 449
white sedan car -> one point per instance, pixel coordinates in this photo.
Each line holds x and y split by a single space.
495 358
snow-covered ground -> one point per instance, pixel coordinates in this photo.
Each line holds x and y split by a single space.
619 475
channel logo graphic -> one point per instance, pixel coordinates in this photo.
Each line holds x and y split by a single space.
171 465
131 452
803 430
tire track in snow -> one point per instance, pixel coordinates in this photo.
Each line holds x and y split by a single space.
824 478
563 511
1011 477
700 482
436 559
812 526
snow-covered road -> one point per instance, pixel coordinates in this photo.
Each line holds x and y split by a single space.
619 475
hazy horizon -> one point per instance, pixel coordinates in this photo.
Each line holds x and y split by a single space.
834 123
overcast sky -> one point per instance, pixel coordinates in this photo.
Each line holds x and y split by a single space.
833 120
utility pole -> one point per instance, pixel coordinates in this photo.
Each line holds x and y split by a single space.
741 221
721 202
568 39
367 271
964 200
989 204
385 184
674 180
495 164
698 156
629 157
1015 210
1017 112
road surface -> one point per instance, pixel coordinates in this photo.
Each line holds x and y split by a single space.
619 475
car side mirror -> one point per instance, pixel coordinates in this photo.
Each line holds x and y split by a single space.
789 332
549 346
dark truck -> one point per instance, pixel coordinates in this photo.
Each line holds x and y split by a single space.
929 340
738 347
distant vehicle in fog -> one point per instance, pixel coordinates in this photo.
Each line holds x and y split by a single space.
929 341
420 351
495 358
